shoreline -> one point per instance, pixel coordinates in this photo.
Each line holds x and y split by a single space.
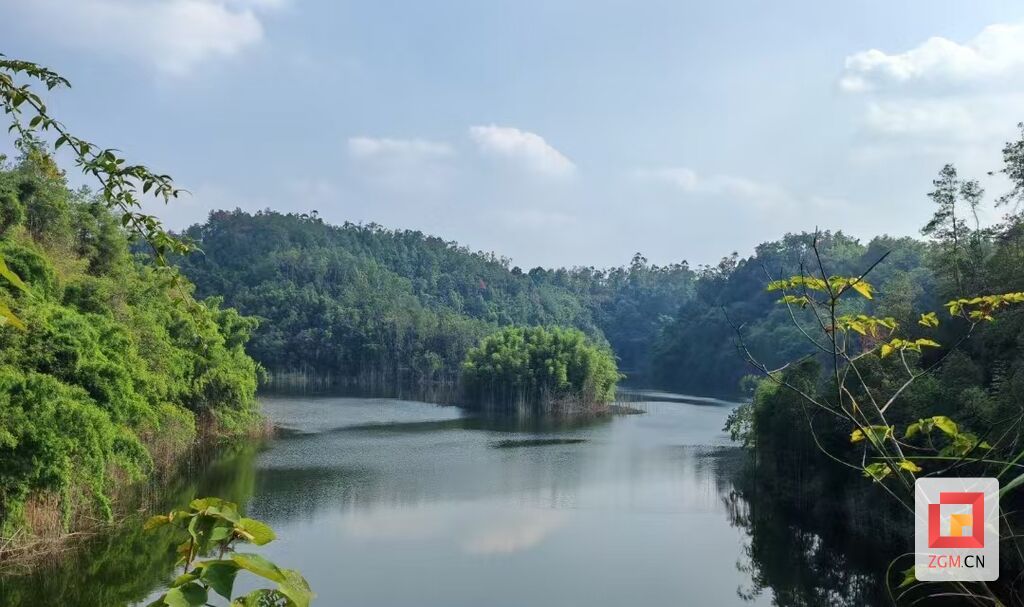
24 550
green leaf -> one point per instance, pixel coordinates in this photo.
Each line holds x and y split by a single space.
257 532
183 579
886 350
801 300
13 278
927 342
221 532
909 466
862 287
203 503
908 577
261 598
220 576
929 319
156 521
877 471
946 425
10 318
189 595
229 512
876 434
260 566
296 588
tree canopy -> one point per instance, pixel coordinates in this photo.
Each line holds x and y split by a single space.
541 368
356 301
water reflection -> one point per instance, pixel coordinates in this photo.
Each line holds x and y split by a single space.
395 503
791 557
384 502
125 565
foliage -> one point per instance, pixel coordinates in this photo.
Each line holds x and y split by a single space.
212 526
896 398
631 305
543 367
123 564
695 351
122 185
358 300
102 365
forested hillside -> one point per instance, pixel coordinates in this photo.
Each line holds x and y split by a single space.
696 351
929 381
357 301
105 369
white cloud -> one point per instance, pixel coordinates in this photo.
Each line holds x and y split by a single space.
529 150
174 36
515 534
397 523
728 186
919 117
941 95
995 53
402 165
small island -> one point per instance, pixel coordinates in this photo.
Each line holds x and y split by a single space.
540 370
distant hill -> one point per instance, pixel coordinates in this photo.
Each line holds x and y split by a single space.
361 301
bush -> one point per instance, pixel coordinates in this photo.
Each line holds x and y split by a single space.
110 371
540 367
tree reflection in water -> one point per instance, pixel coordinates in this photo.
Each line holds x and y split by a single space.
122 567
804 549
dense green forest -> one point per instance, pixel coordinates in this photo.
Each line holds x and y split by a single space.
356 301
550 369
360 302
106 371
947 391
696 351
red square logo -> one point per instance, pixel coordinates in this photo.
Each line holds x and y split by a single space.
957 523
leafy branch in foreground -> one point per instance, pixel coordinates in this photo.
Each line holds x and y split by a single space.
122 185
863 388
215 528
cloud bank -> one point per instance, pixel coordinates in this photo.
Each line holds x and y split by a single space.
173 36
997 52
941 90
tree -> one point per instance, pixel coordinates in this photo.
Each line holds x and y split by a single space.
962 247
872 363
541 368
122 185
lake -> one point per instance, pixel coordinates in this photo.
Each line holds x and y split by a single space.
386 502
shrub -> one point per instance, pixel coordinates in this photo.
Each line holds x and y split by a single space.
540 367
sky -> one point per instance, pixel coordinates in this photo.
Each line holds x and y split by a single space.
552 132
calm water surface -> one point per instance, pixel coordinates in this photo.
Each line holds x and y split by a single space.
383 502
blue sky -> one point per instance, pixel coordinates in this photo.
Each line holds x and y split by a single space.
556 132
